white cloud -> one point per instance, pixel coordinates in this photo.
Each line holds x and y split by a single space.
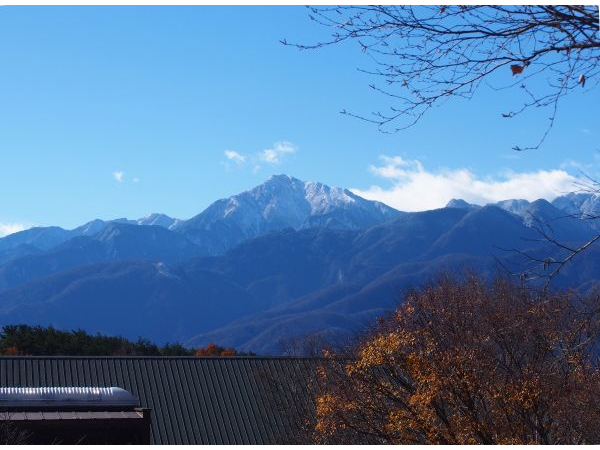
273 156
10 228
416 189
136 180
236 157
280 149
118 175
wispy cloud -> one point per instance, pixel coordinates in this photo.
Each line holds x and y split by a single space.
10 228
414 188
512 155
236 157
118 175
280 149
270 156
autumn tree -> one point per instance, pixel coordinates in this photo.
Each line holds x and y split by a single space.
466 362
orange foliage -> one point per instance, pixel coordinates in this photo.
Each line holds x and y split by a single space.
228 352
11 351
468 363
215 350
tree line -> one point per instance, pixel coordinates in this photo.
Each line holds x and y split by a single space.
26 340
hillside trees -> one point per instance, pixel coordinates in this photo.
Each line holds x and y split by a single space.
465 362
18 340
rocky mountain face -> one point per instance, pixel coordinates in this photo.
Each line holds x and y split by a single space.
281 202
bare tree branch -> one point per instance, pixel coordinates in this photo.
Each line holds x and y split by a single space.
427 54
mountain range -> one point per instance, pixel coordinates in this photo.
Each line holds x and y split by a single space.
285 259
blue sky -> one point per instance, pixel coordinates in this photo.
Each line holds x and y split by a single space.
121 111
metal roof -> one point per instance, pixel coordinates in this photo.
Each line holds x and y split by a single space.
230 400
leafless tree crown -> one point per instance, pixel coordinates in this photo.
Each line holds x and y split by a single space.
427 54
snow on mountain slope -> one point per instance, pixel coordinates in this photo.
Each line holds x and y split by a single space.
515 206
578 203
584 205
581 204
157 219
281 202
462 204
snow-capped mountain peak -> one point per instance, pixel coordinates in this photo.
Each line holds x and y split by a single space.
281 202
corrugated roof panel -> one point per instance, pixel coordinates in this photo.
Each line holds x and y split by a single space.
158 428
187 402
259 407
226 400
209 432
272 372
244 396
193 400
38 366
178 430
134 380
207 384
235 403
163 402
260 391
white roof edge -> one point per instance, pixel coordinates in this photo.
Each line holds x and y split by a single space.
33 396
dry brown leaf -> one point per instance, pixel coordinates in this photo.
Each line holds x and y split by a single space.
516 69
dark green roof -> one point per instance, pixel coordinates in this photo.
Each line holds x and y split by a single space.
232 400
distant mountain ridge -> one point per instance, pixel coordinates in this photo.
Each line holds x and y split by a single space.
279 203
285 258
114 242
44 238
280 284
581 205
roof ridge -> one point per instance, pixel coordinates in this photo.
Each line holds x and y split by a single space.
200 358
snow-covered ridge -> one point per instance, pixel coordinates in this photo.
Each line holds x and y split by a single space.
282 195
281 202
157 219
582 204
577 205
